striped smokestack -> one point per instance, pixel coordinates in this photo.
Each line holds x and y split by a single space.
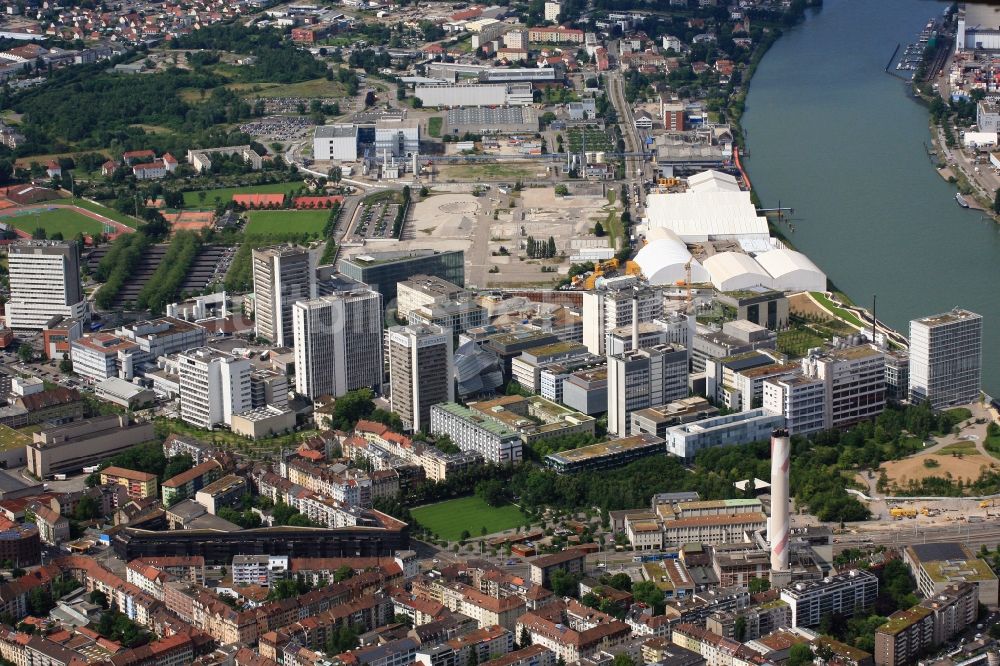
778 525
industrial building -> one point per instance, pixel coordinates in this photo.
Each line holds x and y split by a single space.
492 120
398 138
336 142
474 94
978 27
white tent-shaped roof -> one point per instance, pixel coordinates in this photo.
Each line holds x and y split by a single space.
663 260
732 271
713 181
792 271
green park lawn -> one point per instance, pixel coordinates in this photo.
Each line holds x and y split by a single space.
224 194
264 222
66 221
449 519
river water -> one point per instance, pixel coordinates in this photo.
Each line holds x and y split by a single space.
839 140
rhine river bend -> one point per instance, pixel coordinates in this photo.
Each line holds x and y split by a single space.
842 142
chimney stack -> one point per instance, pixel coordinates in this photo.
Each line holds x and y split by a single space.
778 524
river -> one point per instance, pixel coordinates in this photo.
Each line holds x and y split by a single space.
841 142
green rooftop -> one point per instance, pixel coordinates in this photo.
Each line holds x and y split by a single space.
467 414
12 439
904 619
959 570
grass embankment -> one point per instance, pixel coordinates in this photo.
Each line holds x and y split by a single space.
837 311
106 211
450 518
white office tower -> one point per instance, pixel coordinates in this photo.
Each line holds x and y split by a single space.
213 386
338 342
282 275
946 358
644 378
44 283
609 306
421 372
778 524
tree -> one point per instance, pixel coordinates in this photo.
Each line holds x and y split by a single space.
757 585
561 190
622 660
551 250
342 573
799 655
526 637
87 509
99 598
177 465
25 353
350 408
740 628
65 365
621 581
996 202
563 584
599 230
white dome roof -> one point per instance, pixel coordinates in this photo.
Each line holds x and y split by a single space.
792 271
731 271
662 262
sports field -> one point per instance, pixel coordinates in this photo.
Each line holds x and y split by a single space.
66 221
105 211
286 221
224 194
449 519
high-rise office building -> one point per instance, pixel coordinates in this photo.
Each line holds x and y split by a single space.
420 372
338 342
946 358
44 283
610 306
213 387
282 275
644 378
